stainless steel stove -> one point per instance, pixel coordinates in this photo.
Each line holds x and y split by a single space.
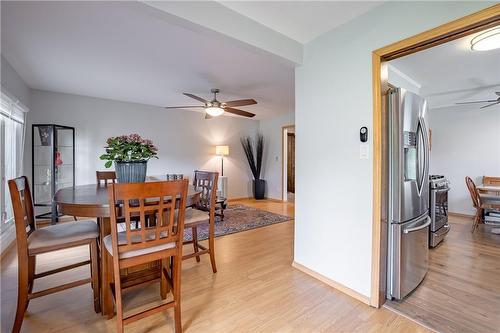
439 187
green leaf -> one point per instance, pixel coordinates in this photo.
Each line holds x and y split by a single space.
108 164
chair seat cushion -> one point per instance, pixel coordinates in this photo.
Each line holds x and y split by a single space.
64 233
193 216
122 239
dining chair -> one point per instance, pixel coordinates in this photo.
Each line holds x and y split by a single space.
148 244
32 241
203 212
105 177
480 202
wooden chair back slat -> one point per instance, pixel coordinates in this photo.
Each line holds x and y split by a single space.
476 200
22 206
206 183
105 178
159 199
492 181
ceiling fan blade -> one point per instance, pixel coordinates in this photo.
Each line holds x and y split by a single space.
239 112
488 101
195 97
241 102
184 107
487 106
207 116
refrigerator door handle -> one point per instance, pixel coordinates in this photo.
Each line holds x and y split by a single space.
422 130
420 227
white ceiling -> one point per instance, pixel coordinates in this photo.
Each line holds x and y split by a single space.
123 51
301 20
452 72
151 52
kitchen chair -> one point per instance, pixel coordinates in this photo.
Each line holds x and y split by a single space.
109 177
147 244
204 210
32 242
103 177
480 202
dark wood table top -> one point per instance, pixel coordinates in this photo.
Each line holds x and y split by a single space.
91 195
92 200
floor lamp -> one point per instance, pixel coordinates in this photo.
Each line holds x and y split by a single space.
222 151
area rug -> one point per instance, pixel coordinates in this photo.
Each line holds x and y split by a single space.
238 218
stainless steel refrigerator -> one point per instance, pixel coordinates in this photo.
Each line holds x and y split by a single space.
408 218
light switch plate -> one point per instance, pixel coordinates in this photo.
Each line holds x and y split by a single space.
364 151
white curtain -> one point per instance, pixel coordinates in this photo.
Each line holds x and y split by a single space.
12 133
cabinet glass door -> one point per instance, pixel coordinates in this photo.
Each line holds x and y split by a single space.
43 139
63 159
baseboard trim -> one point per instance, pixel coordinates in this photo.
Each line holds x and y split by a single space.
251 198
274 200
460 215
340 287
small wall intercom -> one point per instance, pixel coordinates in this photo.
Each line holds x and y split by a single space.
363 134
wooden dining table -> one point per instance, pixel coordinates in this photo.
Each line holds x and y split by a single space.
488 189
92 201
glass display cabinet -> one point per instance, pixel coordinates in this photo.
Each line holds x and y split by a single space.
53 164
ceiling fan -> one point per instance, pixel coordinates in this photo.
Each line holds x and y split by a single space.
491 101
215 108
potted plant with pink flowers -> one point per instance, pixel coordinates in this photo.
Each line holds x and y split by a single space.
131 154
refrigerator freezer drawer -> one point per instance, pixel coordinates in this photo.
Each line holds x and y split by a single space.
411 256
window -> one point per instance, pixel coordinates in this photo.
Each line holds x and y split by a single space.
12 116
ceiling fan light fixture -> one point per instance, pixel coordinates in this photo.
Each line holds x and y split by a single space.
214 111
488 40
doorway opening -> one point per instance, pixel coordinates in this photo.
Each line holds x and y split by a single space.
288 163
468 26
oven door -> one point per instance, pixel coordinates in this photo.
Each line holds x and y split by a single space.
439 208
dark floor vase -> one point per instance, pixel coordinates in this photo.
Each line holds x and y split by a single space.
131 172
259 188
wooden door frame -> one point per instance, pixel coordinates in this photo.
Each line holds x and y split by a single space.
283 128
464 26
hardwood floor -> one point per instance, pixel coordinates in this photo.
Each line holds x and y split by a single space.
255 290
461 292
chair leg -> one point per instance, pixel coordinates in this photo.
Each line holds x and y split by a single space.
177 293
163 279
94 274
118 297
195 241
222 211
211 243
75 218
31 272
477 217
107 292
22 297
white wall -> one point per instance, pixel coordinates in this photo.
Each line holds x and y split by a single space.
333 228
400 79
271 129
465 142
184 138
13 83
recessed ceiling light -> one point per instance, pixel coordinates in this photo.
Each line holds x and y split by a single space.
488 40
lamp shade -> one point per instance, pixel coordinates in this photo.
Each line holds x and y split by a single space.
222 150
